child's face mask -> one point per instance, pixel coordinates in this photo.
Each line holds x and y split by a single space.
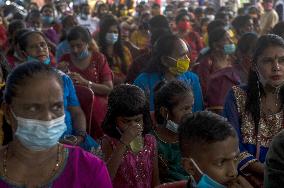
205 180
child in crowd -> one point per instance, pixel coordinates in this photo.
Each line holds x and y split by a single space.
173 100
130 153
210 150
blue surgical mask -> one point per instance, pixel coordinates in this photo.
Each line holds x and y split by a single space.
229 49
32 59
206 182
47 19
84 16
39 135
83 55
111 38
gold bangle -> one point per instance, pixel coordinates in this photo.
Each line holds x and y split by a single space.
90 84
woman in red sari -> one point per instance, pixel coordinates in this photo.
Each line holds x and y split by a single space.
88 67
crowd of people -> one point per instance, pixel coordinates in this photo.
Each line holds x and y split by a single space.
141 96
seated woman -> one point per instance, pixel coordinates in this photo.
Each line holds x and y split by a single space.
110 43
244 53
173 100
89 68
169 61
35 48
256 110
48 20
63 47
15 55
34 108
35 22
186 32
216 70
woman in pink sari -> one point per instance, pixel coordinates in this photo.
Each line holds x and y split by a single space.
89 68
34 109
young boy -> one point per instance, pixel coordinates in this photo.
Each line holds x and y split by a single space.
209 147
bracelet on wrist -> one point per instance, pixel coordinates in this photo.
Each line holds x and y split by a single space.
90 84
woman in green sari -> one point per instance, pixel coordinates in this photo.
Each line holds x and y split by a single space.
173 100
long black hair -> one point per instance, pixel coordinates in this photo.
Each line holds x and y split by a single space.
255 89
164 46
126 100
105 24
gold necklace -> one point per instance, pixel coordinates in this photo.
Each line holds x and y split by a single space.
175 142
53 172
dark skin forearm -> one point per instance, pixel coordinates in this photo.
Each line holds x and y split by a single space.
78 120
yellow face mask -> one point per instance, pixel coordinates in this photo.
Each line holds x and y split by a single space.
181 67
2 85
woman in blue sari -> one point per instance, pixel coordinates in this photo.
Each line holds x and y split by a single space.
256 110
169 61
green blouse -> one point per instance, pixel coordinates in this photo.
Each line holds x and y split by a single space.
170 168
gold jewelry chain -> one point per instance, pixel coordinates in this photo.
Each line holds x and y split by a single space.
52 173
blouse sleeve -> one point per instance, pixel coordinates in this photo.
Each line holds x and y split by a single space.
232 115
198 99
105 71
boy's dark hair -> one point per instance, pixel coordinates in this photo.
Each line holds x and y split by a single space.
203 128
126 100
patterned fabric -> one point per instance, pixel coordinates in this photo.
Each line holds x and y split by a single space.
136 170
169 157
253 146
140 39
119 76
97 72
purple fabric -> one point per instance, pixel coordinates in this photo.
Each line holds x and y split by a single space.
52 35
83 169
219 83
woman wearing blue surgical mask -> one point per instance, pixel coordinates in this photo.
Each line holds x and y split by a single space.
34 22
118 55
49 23
173 100
169 61
34 48
87 67
34 107
215 70
256 109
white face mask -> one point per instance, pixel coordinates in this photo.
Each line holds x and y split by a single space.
39 135
111 38
211 17
264 81
172 126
